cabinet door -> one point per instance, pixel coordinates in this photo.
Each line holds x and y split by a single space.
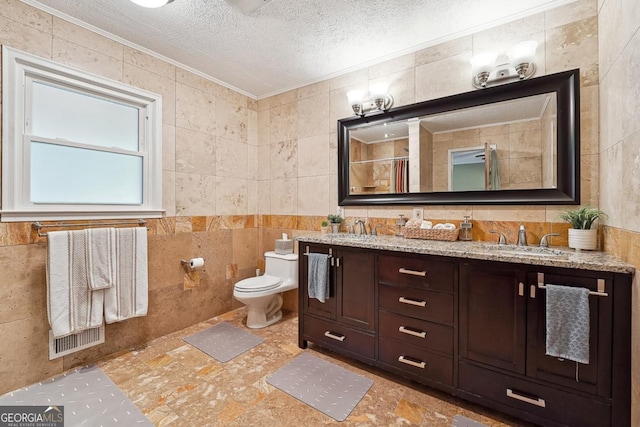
326 309
492 315
355 283
594 377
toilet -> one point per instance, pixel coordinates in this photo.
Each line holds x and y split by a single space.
263 294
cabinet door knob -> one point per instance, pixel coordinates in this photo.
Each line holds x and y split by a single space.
415 333
521 289
412 302
407 361
333 336
412 272
532 400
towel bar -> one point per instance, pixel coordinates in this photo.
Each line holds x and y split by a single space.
306 253
38 226
601 291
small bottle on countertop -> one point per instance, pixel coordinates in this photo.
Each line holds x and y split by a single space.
465 229
400 223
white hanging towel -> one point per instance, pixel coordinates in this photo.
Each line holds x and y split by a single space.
129 296
71 306
101 257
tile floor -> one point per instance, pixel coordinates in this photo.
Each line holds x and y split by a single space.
175 384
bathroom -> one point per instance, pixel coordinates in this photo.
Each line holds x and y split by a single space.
283 149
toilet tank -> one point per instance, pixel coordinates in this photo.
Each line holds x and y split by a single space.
282 266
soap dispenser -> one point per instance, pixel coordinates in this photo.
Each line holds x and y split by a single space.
465 229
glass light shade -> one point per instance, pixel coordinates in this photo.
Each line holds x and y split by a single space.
522 53
379 90
355 96
483 62
151 3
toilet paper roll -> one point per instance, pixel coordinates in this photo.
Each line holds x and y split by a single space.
196 263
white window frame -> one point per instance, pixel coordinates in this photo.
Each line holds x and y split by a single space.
18 68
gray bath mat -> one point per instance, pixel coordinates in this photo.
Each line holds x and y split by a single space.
460 421
89 398
324 386
223 341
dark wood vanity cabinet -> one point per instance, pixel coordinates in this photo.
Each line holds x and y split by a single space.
476 329
344 322
502 360
416 312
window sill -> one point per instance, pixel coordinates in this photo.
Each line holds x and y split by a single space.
20 216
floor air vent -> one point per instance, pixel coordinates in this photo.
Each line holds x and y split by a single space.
59 347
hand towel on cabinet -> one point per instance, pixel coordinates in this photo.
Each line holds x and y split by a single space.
567 314
318 276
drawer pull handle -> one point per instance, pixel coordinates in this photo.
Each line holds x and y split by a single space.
407 361
409 331
412 302
538 402
412 272
331 335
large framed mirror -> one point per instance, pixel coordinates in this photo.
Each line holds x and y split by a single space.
518 143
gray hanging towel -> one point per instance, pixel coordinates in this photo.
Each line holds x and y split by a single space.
318 280
568 323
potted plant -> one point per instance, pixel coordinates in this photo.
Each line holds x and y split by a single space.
581 236
324 227
335 221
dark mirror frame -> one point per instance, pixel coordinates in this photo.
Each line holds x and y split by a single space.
566 86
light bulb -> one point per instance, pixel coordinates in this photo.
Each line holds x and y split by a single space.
522 53
151 3
483 62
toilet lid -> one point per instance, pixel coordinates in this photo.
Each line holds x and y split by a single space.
258 284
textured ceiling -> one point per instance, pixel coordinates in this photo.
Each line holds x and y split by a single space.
288 43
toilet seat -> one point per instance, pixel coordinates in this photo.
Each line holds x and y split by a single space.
258 284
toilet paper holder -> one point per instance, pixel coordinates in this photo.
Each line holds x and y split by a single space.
193 263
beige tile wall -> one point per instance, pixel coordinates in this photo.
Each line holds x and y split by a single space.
210 194
619 180
568 39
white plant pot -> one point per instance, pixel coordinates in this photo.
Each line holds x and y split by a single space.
335 228
583 239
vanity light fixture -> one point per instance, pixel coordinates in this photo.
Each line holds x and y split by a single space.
378 98
151 3
489 69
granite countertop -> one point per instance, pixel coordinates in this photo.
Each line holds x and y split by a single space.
552 257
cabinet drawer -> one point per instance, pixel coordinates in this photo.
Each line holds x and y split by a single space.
336 336
417 303
422 272
416 332
538 400
416 361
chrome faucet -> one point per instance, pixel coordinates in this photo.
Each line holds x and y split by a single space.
522 236
501 239
362 229
544 242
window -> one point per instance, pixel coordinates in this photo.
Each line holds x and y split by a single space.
77 146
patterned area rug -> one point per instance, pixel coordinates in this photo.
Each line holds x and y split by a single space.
89 398
223 341
460 421
324 386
